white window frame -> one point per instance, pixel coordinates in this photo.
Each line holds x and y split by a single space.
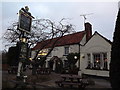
100 64
66 50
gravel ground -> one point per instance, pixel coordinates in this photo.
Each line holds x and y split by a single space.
48 81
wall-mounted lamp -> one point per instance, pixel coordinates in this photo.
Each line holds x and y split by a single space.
82 56
75 57
38 58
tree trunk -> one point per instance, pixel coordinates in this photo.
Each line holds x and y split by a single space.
115 57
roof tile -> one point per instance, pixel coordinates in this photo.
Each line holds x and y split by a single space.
65 40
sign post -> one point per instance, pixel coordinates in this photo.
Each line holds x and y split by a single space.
24 25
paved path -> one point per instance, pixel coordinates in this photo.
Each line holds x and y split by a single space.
54 77
103 83
99 82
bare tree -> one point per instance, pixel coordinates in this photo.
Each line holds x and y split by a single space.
41 30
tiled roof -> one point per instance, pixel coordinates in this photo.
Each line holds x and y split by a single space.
65 40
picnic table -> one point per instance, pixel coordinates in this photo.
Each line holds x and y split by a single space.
43 71
72 80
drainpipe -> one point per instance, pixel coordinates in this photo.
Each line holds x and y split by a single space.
79 58
79 71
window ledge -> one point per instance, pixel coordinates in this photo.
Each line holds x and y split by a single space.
65 54
97 69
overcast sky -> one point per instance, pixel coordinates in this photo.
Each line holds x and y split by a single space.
103 15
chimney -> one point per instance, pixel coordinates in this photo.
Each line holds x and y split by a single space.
88 30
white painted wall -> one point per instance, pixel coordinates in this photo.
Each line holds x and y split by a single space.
97 73
59 51
95 45
83 41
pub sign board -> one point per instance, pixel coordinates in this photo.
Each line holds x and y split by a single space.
25 21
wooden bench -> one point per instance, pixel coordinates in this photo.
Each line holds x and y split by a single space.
71 81
71 84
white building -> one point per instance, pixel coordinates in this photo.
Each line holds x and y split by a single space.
94 50
96 55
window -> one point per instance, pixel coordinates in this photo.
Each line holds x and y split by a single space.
66 51
99 61
89 61
43 52
105 60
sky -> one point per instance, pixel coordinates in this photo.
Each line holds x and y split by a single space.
102 14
